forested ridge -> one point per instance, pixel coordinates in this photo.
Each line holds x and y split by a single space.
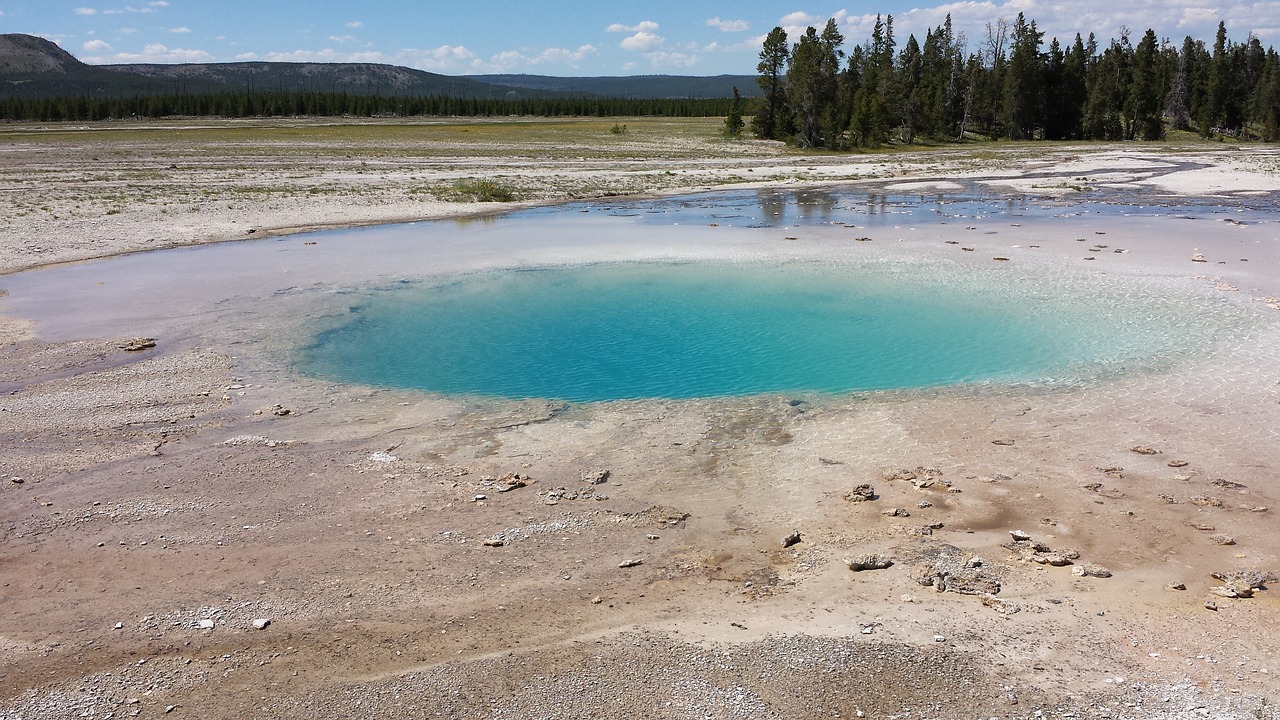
1011 86
277 104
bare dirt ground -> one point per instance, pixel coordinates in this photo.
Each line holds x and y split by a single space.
419 556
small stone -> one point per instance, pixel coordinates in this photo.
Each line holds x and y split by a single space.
897 512
1222 540
1175 586
924 504
861 493
1002 441
597 600
595 477
170 708
1210 605
1144 450
1020 535
261 623
205 624
630 563
137 344
873 561
16 480
495 541
119 626
792 539
651 536
939 638
1090 570
1178 463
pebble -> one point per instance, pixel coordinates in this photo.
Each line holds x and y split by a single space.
261 623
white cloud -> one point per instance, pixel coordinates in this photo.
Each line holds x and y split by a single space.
342 39
522 59
159 3
729 25
154 53
180 30
641 41
645 26
672 59
86 11
127 31
96 46
355 24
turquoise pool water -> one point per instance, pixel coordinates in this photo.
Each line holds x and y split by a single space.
660 330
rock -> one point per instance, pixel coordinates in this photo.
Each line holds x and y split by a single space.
1002 441
1198 257
1090 570
1252 579
939 638
861 493
1175 586
595 477
1144 450
873 561
261 623
1210 605
1056 559
205 624
16 480
1000 605
119 626
923 504
137 344
1020 535
792 539
1220 539
630 563
597 600
511 481
1206 501
1178 463
897 512
651 536
170 708
280 410
890 475
495 541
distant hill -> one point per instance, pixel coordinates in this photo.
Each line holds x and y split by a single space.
634 86
32 67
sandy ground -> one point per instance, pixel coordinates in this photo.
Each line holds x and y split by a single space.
157 502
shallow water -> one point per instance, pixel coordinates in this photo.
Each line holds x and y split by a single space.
688 330
696 296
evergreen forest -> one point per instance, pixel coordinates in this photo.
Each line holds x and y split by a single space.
1010 85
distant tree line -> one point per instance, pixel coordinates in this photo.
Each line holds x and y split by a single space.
281 104
1011 86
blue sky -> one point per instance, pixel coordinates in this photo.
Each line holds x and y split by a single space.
562 38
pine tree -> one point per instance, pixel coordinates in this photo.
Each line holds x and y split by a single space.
770 121
733 124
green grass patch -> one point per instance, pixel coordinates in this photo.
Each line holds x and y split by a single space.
482 190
